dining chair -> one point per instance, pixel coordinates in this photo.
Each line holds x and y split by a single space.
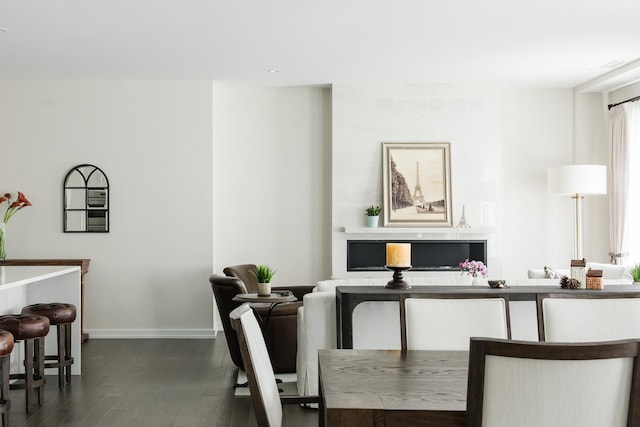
447 321
527 384
588 317
265 397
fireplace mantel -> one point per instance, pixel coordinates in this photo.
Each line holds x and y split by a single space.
421 233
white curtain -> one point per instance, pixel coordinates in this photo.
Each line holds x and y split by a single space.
623 126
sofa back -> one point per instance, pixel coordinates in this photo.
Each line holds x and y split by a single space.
611 274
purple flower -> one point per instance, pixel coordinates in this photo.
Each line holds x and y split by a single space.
473 268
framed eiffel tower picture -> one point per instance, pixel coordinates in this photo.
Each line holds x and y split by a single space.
417 184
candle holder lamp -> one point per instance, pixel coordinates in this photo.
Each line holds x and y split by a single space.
397 282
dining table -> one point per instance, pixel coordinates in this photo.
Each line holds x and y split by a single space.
392 387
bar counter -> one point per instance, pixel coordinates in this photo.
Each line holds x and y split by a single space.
24 285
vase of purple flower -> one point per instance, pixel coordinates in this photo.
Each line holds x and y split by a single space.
473 268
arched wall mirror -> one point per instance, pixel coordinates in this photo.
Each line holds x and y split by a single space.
86 200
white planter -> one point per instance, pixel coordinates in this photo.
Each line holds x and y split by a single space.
372 221
264 289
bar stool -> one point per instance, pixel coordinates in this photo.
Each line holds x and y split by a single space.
32 330
61 315
6 346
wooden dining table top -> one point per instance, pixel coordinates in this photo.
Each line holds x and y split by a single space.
392 387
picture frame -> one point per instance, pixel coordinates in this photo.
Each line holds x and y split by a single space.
417 184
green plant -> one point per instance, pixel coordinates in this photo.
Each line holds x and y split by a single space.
264 273
373 210
635 272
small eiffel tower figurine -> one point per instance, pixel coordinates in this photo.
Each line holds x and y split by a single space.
463 221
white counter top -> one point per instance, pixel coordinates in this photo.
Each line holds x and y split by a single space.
11 276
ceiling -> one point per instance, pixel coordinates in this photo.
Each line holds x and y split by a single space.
542 43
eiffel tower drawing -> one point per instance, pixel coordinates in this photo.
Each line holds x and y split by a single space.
418 197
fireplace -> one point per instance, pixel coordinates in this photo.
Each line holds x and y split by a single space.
426 255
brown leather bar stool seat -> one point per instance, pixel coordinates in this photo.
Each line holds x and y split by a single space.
61 315
6 347
32 330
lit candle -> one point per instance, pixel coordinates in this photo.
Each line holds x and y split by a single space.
399 254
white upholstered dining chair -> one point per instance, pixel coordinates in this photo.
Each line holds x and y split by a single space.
265 397
446 321
532 384
588 317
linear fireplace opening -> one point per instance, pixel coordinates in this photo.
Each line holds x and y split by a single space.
426 255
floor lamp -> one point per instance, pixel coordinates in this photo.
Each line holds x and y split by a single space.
577 181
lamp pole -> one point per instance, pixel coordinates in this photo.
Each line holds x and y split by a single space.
577 248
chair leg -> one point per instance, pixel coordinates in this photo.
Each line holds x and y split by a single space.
67 350
61 355
4 393
39 375
29 356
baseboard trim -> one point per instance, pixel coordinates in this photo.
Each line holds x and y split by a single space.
151 333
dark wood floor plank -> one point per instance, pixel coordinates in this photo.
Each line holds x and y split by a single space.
151 382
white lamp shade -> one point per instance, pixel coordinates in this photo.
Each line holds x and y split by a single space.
577 179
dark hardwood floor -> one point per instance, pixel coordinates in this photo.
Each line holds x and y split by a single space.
150 382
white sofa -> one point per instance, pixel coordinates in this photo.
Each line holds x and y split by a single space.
376 324
618 274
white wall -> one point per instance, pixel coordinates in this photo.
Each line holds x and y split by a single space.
536 134
279 185
271 174
502 142
591 146
148 275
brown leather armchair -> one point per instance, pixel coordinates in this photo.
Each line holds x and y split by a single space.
281 330
246 273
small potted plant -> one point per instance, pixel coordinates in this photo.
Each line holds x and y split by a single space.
264 274
373 214
635 272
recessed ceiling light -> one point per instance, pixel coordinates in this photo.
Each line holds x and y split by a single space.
274 70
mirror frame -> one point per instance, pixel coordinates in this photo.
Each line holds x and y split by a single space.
86 209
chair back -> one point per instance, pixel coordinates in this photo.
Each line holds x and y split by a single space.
224 289
588 317
265 398
446 321
527 384
246 273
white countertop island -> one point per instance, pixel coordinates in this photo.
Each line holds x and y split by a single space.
21 286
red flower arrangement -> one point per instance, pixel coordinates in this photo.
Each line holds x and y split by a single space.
20 202
14 207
